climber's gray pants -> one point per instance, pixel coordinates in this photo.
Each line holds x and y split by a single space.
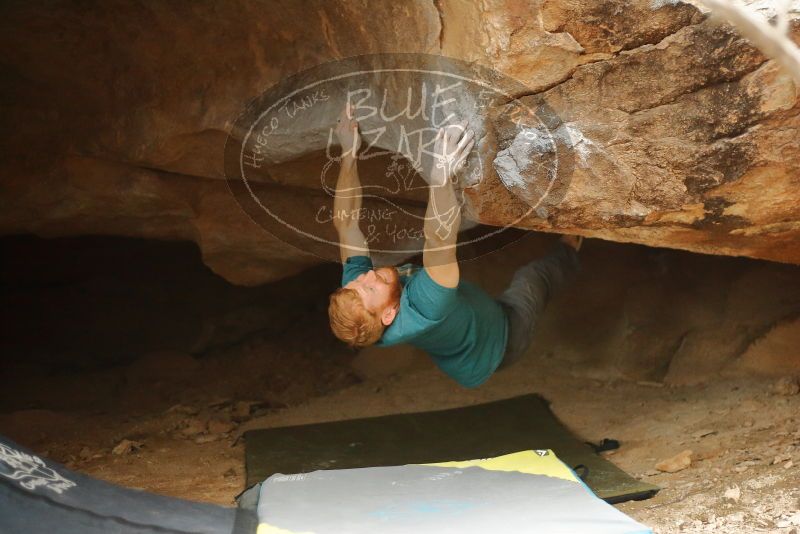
532 286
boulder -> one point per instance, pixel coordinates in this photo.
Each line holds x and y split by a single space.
678 132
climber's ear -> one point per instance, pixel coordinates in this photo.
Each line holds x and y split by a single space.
389 314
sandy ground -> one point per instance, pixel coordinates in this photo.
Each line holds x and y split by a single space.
744 436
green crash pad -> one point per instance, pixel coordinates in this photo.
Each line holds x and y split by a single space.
479 431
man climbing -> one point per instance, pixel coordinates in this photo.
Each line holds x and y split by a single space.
467 333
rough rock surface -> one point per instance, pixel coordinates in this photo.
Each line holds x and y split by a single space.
683 134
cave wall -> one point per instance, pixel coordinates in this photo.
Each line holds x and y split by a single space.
115 115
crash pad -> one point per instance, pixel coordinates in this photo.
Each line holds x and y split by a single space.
38 495
478 431
528 491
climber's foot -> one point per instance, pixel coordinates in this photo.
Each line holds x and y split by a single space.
575 241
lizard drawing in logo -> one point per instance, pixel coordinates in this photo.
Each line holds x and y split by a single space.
405 173
30 471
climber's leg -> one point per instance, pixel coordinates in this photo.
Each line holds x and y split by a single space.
532 286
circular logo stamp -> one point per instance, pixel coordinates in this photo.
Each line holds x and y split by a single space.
283 157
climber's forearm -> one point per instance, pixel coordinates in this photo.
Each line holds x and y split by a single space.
442 220
442 216
347 201
346 208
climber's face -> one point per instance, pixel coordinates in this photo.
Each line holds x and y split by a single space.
380 291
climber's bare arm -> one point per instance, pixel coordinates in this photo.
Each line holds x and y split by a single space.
346 209
442 219
443 215
347 202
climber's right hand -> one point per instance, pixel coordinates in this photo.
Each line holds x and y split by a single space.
450 150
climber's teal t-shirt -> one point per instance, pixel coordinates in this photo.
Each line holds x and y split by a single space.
462 328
